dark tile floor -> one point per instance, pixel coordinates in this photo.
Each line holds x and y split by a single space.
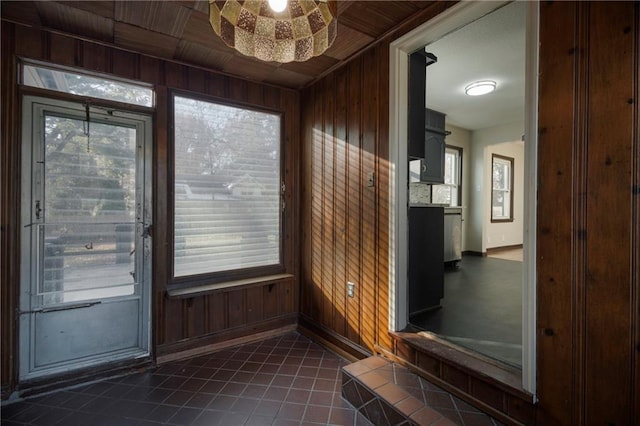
286 380
481 308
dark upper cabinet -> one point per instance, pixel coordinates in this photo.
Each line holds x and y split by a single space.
432 165
425 127
418 63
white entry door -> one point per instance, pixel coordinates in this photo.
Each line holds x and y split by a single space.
86 250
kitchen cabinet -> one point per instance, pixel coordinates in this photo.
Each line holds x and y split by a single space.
426 258
418 63
452 235
432 165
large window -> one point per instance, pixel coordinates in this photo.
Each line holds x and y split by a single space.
227 183
450 192
501 189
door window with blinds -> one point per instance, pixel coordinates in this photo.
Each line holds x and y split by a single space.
227 208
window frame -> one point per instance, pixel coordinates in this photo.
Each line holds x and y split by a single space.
510 161
66 95
227 277
458 185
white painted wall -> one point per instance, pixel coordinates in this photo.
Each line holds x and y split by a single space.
480 182
461 138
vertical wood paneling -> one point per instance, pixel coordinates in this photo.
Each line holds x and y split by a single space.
609 164
587 278
196 316
340 204
217 312
556 117
64 50
196 80
382 194
254 304
587 255
162 318
270 299
306 204
239 90
29 42
236 307
176 76
368 283
9 216
96 57
255 93
125 64
317 219
289 102
343 211
217 85
151 71
354 203
328 282
174 320
635 226
286 298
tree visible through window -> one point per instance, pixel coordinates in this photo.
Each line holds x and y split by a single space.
227 208
501 189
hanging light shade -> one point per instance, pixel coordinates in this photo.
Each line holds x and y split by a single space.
304 29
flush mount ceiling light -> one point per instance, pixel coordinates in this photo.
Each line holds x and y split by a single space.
480 88
302 30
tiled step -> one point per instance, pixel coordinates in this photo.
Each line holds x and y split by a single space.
389 394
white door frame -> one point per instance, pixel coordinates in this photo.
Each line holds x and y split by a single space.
454 18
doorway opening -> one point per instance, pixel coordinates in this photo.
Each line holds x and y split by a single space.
478 137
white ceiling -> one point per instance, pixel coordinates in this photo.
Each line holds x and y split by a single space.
491 48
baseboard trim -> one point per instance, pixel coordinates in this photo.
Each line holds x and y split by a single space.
216 342
503 248
331 340
474 253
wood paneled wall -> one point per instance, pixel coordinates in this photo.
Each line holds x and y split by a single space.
588 356
342 213
344 218
178 324
589 213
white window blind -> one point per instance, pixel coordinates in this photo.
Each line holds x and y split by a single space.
227 211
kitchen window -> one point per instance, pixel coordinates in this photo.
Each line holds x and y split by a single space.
450 193
501 188
227 189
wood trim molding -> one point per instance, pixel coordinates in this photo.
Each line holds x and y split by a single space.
503 248
218 346
330 339
215 341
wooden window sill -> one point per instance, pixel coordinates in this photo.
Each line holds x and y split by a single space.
200 290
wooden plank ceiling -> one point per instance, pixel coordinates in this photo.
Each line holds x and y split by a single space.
180 30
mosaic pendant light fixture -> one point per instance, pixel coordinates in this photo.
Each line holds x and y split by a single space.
302 30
